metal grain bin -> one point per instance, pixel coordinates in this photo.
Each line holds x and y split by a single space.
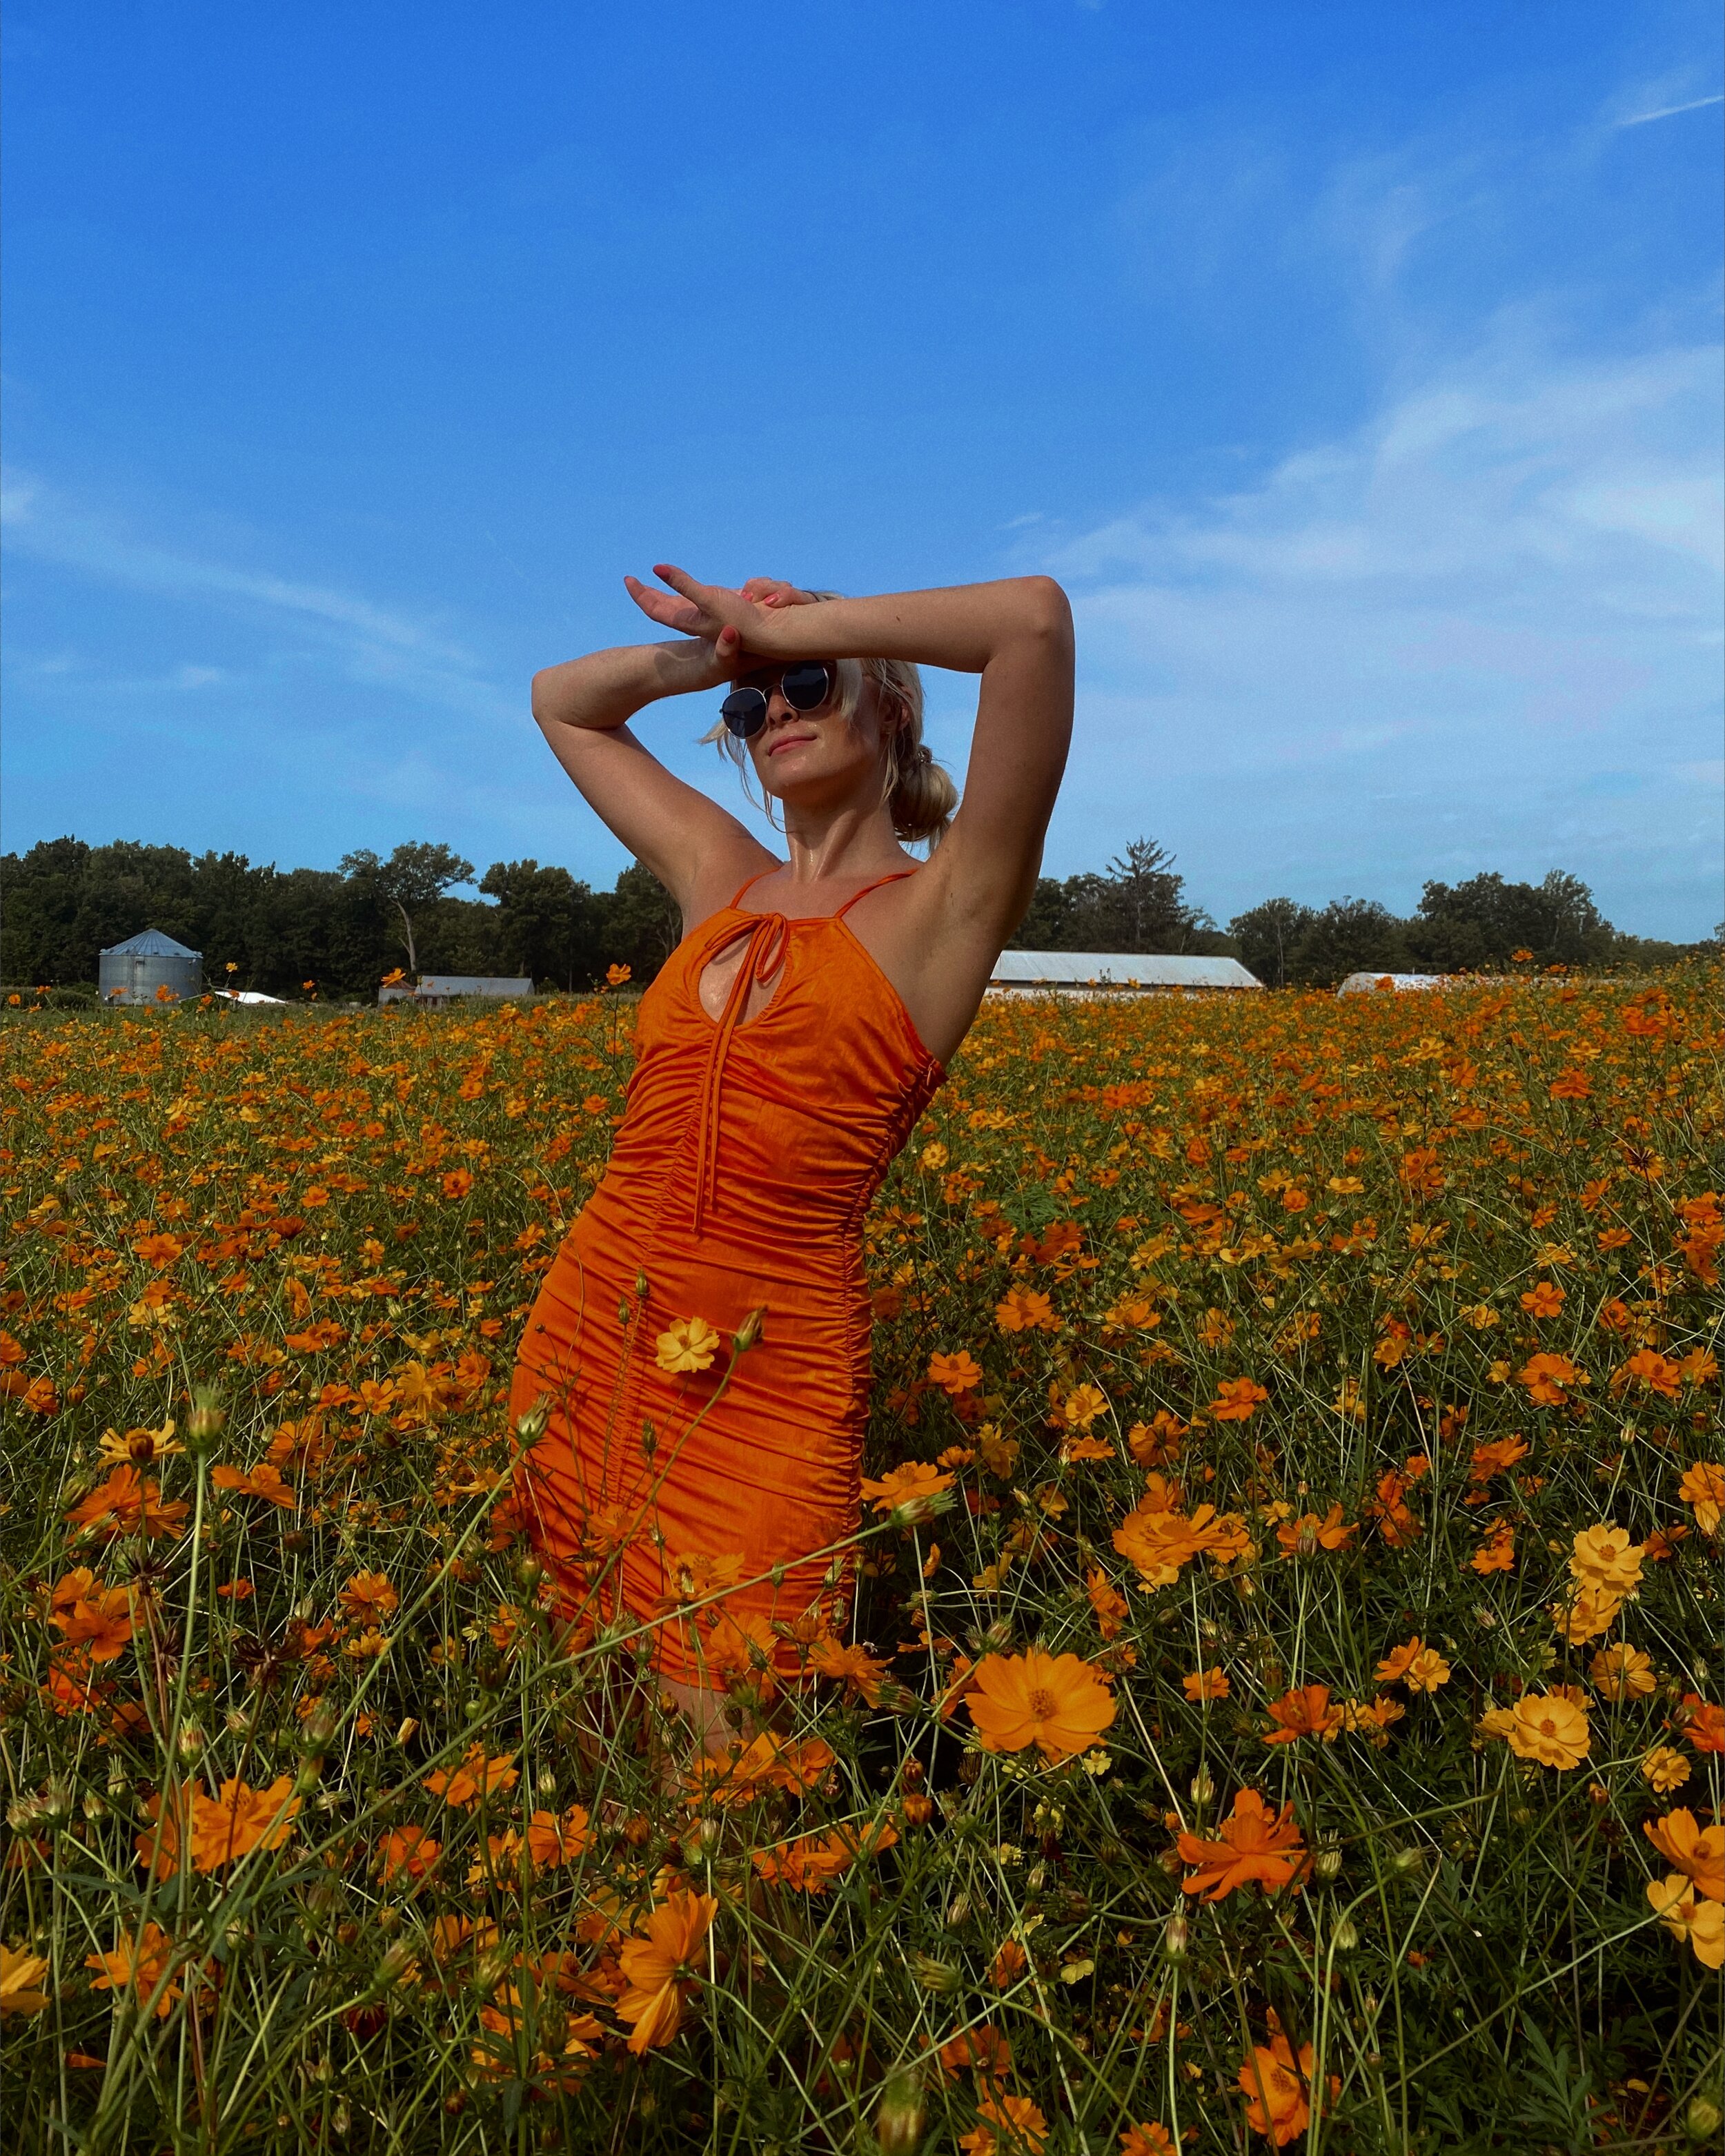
135 971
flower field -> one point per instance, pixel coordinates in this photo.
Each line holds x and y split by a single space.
1284 1706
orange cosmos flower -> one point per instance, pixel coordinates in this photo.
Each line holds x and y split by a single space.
1652 1372
851 1666
1254 1842
129 1504
1550 1379
476 1777
264 1480
1237 1399
1023 2126
1009 1963
1057 1702
138 1965
1276 2087
1498 1552
1703 1487
1547 1727
408 1852
1147 2138
1026 1310
239 1819
1697 1851
955 1373
102 1625
1307 1535
984 2049
553 1839
1544 1301
1419 1667
1304 1712
907 1487
1206 1684
660 1968
1110 1607
1703 1723
369 1597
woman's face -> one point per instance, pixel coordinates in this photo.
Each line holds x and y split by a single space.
818 759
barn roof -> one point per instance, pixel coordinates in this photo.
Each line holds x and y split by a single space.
1118 969
150 943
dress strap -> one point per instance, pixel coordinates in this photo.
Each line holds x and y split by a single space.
750 884
896 875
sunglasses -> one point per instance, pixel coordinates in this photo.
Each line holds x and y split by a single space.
805 686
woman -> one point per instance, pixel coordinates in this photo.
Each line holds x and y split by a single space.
784 1053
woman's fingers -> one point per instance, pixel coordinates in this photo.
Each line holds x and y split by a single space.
670 613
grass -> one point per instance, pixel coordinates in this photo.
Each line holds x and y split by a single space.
1297 1253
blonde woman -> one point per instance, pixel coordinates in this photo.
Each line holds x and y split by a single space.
784 1053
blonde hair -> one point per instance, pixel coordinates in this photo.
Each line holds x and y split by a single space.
918 792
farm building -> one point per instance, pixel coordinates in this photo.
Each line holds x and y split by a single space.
1104 972
1363 984
436 989
149 967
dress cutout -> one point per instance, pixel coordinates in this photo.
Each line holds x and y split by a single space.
747 1157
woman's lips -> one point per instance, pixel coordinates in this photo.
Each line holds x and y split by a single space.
790 741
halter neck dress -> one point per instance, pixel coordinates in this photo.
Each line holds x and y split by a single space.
748 1154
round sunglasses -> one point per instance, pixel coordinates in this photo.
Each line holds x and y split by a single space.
805 686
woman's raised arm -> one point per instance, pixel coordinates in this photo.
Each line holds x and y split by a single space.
693 846
1016 633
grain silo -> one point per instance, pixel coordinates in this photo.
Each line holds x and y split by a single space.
139 969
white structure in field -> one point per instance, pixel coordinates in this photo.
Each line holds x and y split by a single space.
436 989
1114 972
1361 984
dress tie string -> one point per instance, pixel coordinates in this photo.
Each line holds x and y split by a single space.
763 954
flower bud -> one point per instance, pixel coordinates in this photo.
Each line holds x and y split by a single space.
1345 1938
940 1977
406 1734
530 1427
191 1741
318 1729
1176 1939
749 1332
1703 2118
1327 1861
1203 1787
1408 1860
207 1421
899 2117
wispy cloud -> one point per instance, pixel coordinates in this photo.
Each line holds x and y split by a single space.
1671 111
1482 630
368 642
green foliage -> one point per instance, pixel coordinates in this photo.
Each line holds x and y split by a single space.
342 1221
342 929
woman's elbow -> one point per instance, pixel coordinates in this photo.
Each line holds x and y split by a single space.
1048 612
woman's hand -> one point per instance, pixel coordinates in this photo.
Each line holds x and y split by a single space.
733 622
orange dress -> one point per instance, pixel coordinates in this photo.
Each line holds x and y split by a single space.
747 1156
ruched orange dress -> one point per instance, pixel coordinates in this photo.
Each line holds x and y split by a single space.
747 1156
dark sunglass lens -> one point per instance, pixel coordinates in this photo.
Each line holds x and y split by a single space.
744 711
806 686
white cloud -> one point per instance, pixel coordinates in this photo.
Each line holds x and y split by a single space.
371 644
1671 111
1483 631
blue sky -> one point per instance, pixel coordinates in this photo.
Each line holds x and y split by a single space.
1356 367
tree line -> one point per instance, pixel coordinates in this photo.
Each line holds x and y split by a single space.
1139 904
339 931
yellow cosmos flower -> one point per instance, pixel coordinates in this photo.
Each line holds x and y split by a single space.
690 1343
1548 1728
